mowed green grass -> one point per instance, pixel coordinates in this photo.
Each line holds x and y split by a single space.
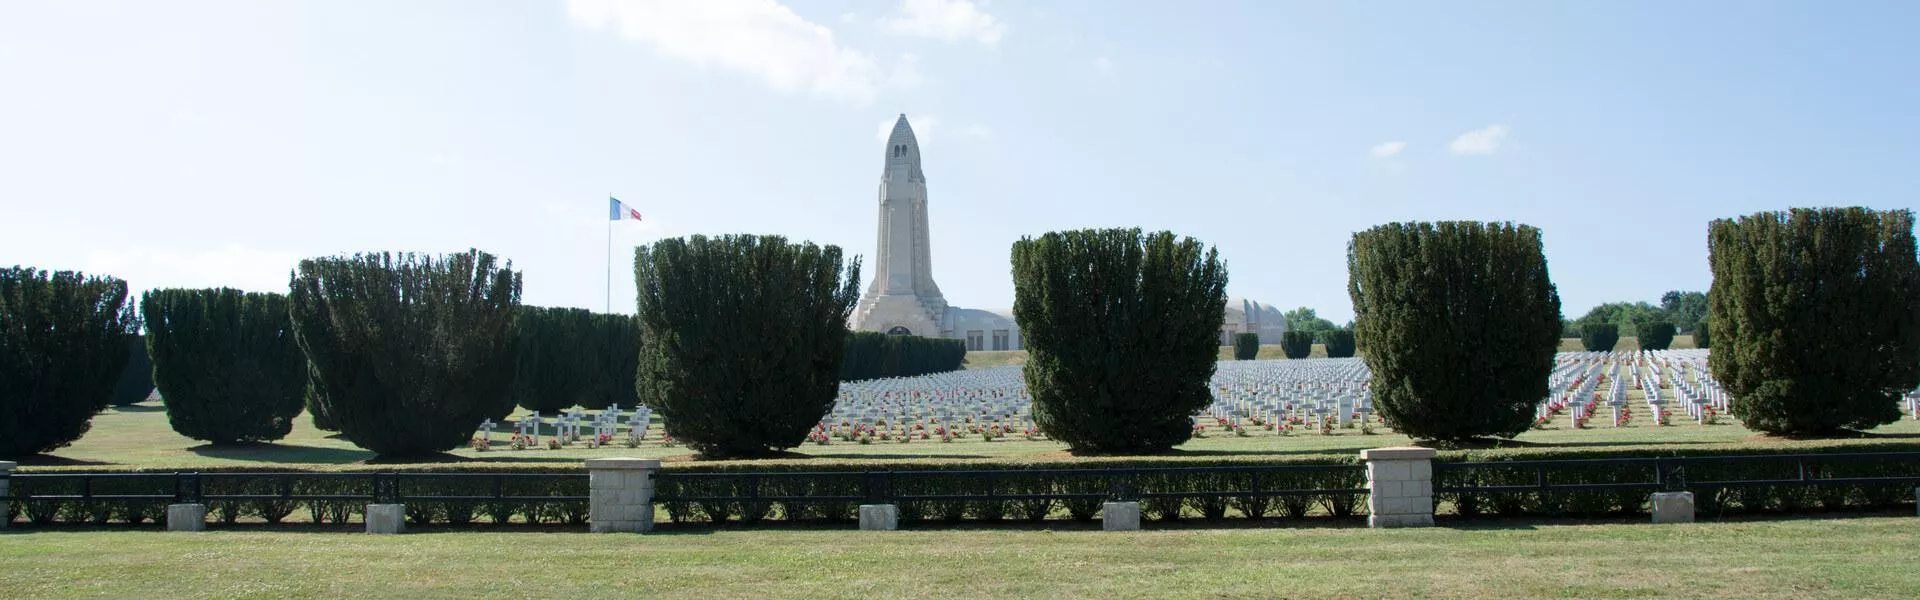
139 436
1860 557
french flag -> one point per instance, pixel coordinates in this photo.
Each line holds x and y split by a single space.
619 211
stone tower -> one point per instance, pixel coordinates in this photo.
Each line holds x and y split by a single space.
902 298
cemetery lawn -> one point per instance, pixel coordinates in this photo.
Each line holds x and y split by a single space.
1857 557
139 437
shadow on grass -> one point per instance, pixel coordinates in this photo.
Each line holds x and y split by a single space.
48 460
141 408
281 453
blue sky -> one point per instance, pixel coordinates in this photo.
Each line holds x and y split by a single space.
216 143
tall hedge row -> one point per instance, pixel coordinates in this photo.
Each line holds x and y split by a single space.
1599 337
875 355
1246 346
1122 332
742 338
566 357
135 384
63 343
410 352
1461 323
226 363
1702 335
1817 317
1339 343
1656 335
1296 344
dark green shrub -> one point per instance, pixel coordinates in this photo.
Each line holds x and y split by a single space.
1599 337
1818 317
741 338
1461 323
1656 335
874 355
1702 335
411 352
566 357
1122 332
226 363
136 379
1339 342
63 343
1297 344
1246 346
317 409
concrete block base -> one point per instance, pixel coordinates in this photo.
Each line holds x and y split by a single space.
386 518
186 517
1409 520
1120 516
879 517
1673 507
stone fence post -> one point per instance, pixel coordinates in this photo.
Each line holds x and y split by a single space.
1399 486
6 506
621 494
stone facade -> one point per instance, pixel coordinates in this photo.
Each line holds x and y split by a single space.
1248 316
620 494
1399 486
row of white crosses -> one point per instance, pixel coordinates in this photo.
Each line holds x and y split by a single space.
997 396
1275 390
568 424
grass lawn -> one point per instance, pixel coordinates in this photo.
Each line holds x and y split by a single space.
139 436
1860 557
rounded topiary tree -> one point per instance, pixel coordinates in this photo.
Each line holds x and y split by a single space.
1246 346
1702 335
741 338
410 352
63 339
1296 344
226 363
1339 343
1817 315
1122 332
135 384
1656 335
1461 323
1599 337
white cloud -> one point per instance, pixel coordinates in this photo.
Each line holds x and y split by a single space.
949 20
848 17
760 37
906 72
1104 65
1479 141
1386 149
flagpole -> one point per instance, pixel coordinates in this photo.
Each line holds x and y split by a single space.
609 309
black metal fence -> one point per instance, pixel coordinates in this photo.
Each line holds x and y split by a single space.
1216 492
1721 484
100 498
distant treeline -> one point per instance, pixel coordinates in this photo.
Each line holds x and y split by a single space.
873 355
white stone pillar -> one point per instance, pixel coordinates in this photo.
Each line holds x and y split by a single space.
879 517
1673 507
621 494
1399 486
1120 516
386 518
6 470
186 517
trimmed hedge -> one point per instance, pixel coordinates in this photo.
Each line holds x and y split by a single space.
63 344
1599 337
136 379
1339 343
566 357
1656 335
875 355
226 363
1246 346
1702 335
1818 315
1123 334
1296 344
